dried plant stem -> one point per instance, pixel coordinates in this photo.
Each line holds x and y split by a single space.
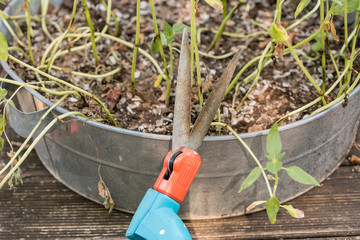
17 153
310 13
305 71
352 55
161 50
287 50
269 48
194 51
11 31
323 53
318 99
278 11
44 9
42 89
29 31
78 89
116 32
249 151
224 3
222 27
87 75
260 25
17 28
338 99
228 34
115 39
93 43
57 43
171 68
219 120
20 50
136 46
33 144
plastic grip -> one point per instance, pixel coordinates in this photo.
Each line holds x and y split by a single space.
177 183
156 218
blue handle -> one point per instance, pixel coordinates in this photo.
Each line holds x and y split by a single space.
156 218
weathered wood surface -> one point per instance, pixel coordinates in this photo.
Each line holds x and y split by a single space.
44 208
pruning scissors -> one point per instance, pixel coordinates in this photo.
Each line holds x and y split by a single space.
156 216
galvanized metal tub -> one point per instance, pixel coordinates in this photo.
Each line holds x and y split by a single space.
129 162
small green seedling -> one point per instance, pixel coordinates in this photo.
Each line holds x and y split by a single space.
273 166
167 36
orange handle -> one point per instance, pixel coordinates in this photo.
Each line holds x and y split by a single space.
177 183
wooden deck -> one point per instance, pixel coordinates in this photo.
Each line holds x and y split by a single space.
44 208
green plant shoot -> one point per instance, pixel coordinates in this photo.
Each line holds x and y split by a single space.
273 166
3 48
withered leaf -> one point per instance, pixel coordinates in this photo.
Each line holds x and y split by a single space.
291 37
355 159
327 25
101 189
279 50
333 30
112 97
10 154
253 205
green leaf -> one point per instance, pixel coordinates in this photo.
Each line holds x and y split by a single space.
168 31
273 167
352 6
296 213
317 45
155 45
280 156
217 4
273 142
250 179
301 6
163 39
301 176
3 93
178 28
3 48
1 143
278 32
272 208
2 1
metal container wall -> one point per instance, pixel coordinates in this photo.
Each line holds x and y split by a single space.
77 152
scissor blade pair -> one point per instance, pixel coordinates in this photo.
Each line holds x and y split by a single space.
181 125
181 131
209 110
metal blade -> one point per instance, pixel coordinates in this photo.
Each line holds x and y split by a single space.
181 130
207 114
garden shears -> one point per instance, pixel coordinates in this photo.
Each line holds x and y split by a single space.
156 216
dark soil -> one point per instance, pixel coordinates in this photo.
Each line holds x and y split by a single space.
282 86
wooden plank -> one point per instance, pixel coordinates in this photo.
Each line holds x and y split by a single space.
331 210
43 207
